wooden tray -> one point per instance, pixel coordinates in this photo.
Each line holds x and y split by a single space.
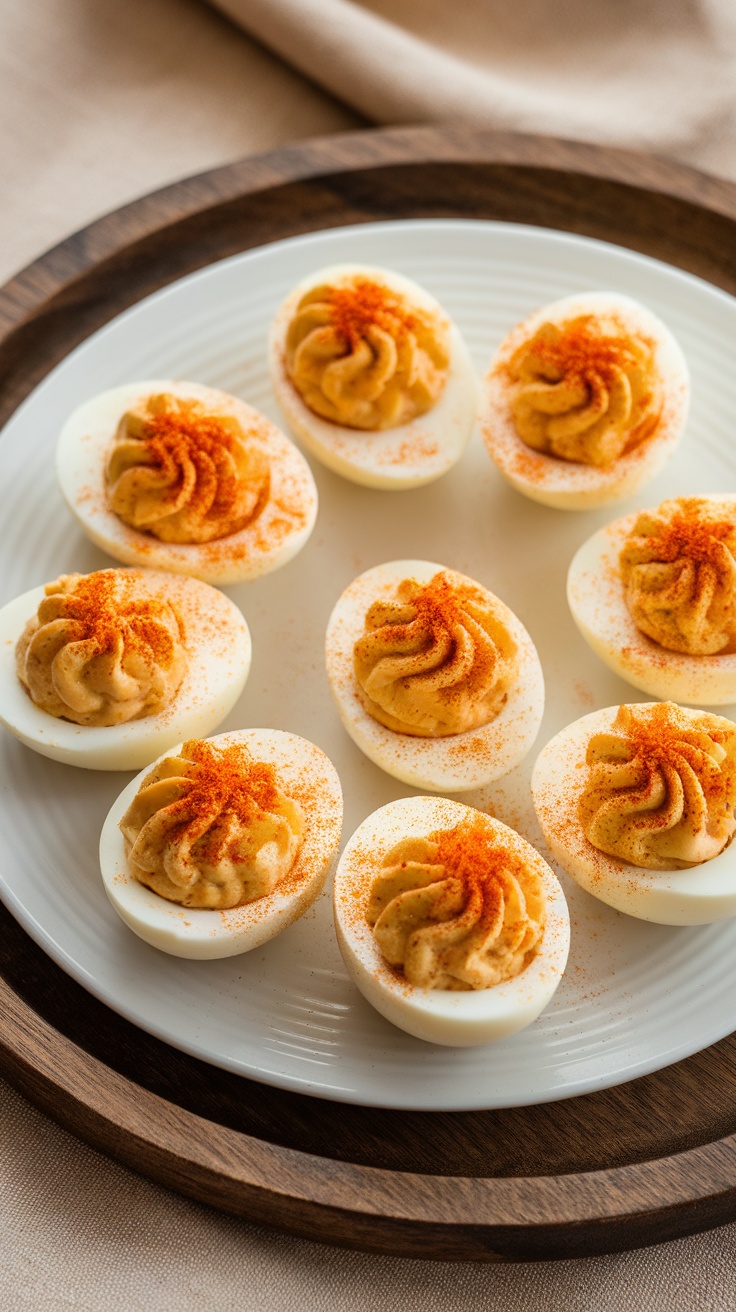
628 1166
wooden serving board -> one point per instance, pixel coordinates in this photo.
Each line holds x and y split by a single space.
633 1165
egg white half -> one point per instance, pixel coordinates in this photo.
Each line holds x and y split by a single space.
570 485
394 458
697 896
275 536
596 598
218 647
458 1019
452 764
308 776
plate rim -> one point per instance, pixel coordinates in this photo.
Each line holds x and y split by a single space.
355 1088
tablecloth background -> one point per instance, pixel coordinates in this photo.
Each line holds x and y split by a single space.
651 74
103 100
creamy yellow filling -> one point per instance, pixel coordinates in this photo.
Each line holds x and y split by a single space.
451 911
184 472
364 356
587 390
678 569
99 652
212 827
435 659
661 787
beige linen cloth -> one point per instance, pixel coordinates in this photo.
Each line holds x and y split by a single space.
101 101
657 75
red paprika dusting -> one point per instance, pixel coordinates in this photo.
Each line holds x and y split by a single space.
186 425
469 857
688 535
443 602
438 603
582 352
105 604
470 748
409 453
228 784
229 779
191 445
441 606
662 741
361 303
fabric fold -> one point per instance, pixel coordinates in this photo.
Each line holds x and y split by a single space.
659 76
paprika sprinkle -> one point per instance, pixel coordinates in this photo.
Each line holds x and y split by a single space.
185 473
437 659
363 356
678 569
101 650
361 304
213 827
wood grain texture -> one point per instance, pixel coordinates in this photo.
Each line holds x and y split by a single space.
645 1162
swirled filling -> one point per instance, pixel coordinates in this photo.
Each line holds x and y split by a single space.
101 651
678 567
184 472
587 390
661 789
212 827
363 356
436 659
456 911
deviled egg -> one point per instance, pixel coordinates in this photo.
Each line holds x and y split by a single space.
585 401
373 377
637 805
654 595
106 670
452 926
434 678
184 477
222 844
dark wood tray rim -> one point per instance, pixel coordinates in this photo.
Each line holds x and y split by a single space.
44 311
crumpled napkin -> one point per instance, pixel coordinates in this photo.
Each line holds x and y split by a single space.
657 76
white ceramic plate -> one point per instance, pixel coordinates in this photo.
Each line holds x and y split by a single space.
635 996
